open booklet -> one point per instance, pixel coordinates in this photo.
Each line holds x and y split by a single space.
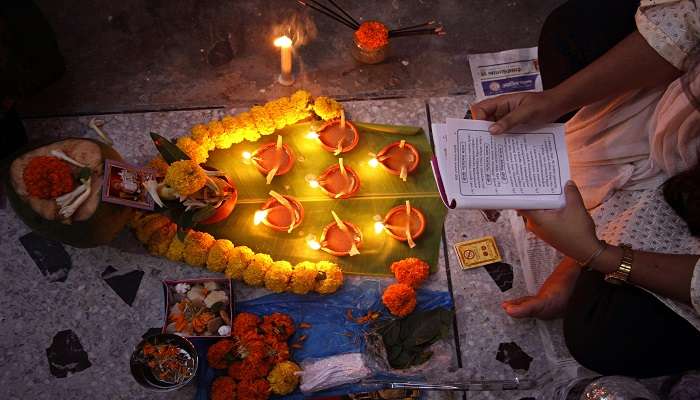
524 169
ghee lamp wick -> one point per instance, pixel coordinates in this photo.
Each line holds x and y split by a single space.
285 44
259 217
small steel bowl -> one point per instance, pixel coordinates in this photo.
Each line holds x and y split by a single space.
142 372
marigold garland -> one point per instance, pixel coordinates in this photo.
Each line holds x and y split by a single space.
200 249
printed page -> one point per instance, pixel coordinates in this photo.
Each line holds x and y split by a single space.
505 72
526 169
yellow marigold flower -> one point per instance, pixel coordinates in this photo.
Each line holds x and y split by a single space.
216 128
303 277
145 230
140 218
185 176
248 129
283 378
238 261
194 150
159 242
200 133
197 245
175 249
327 108
277 109
264 124
277 277
159 165
331 277
231 133
217 260
300 100
254 275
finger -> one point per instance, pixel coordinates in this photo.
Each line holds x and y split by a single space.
477 112
573 196
512 119
523 307
486 109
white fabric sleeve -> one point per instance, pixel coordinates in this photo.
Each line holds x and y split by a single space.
695 288
671 27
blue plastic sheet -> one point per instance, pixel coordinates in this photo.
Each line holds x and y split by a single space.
332 333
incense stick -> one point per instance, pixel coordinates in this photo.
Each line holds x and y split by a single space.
433 31
325 8
357 24
303 3
405 28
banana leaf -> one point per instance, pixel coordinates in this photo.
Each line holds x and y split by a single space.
379 192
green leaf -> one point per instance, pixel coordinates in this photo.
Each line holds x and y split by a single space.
181 233
390 129
392 333
168 149
203 213
84 174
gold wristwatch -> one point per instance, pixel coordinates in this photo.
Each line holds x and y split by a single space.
622 274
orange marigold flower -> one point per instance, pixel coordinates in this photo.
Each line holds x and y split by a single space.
159 165
411 271
249 369
244 323
372 35
257 389
194 150
223 388
221 354
278 325
400 299
48 177
277 350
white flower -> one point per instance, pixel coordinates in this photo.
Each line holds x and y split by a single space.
182 288
224 330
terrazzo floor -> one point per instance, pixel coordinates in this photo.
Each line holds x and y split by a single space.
71 320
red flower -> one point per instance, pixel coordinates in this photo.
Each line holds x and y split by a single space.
48 177
244 323
279 325
277 350
257 389
249 369
223 388
221 354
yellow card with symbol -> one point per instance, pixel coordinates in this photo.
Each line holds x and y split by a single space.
477 252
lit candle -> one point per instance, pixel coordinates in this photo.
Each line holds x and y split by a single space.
399 158
405 223
339 181
285 44
281 213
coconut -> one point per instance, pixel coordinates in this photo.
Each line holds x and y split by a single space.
94 222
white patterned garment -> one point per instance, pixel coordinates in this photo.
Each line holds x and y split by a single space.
643 219
671 27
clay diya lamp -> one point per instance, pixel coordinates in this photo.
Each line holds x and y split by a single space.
273 159
222 212
339 181
281 213
405 223
341 238
399 158
339 135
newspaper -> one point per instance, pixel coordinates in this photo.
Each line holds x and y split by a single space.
508 71
523 169
537 261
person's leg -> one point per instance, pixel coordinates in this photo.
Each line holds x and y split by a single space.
580 31
623 330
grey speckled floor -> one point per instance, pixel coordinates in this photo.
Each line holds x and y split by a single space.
33 310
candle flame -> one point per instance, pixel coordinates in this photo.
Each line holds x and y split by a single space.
314 184
313 244
378 227
373 162
259 216
247 155
283 42
312 135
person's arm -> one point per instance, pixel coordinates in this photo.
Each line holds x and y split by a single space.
631 64
571 231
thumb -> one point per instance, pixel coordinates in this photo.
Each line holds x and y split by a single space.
477 111
528 306
513 118
573 196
